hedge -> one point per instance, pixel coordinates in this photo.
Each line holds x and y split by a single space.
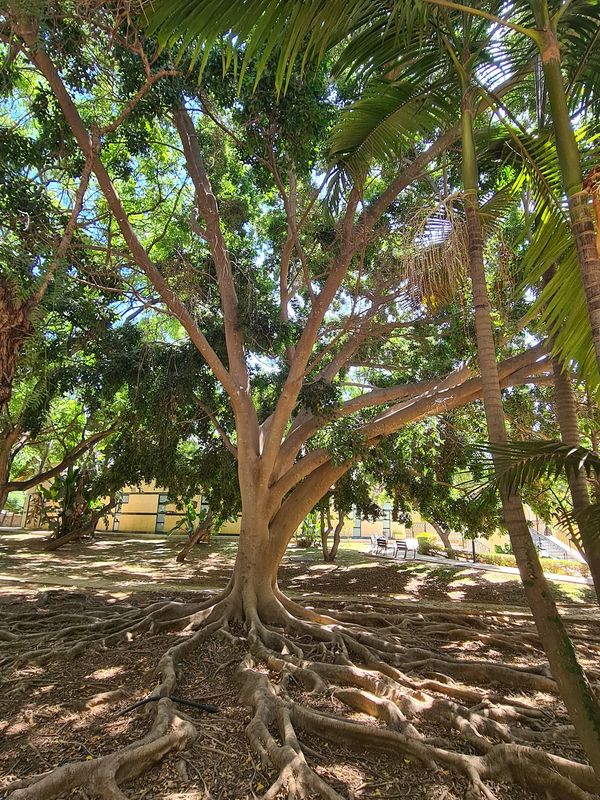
429 544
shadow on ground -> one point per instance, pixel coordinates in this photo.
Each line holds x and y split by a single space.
148 562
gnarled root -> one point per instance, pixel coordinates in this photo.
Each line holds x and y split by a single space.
323 673
103 776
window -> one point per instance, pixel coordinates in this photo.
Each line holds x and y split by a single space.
160 512
387 522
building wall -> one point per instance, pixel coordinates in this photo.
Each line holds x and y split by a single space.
148 510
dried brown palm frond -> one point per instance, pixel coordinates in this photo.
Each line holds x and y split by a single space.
431 257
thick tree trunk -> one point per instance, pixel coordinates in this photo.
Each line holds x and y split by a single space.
254 581
445 537
566 415
579 697
15 327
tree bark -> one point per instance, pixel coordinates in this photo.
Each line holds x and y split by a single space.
15 327
579 697
201 530
566 415
254 581
445 537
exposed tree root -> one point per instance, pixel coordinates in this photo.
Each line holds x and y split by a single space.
302 668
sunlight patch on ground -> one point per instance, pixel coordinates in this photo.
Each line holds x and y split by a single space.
464 582
413 585
16 728
101 674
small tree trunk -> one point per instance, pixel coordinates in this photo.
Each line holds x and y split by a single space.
575 689
79 532
325 531
337 533
71 536
202 530
581 212
445 537
566 415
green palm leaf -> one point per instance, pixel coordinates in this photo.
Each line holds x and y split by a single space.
289 31
383 121
518 464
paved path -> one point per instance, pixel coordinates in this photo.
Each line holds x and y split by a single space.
450 562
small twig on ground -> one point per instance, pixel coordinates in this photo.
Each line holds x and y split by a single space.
210 709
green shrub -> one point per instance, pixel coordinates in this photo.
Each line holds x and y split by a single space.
554 565
568 567
429 544
499 559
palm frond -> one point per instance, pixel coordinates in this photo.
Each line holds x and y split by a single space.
560 306
579 33
287 31
386 118
518 464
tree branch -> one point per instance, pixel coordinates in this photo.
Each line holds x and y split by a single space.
69 459
65 242
218 427
44 64
274 427
209 209
456 389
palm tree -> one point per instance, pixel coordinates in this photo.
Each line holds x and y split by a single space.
581 23
287 31
566 415
576 691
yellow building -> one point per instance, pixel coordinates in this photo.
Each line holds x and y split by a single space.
147 509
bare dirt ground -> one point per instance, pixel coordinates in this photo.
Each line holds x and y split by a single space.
70 709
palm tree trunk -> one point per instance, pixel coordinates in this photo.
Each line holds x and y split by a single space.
566 415
580 208
575 689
